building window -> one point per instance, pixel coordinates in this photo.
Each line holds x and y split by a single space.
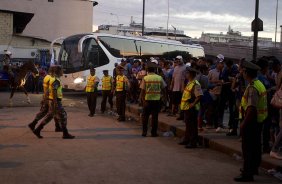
50 0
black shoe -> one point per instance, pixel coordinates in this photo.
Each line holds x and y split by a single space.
244 178
190 146
266 150
183 143
155 135
37 133
58 129
31 126
144 134
121 119
90 115
68 136
232 133
255 172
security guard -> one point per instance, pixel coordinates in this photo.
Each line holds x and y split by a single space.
151 87
253 111
107 85
190 105
55 105
45 103
91 90
121 85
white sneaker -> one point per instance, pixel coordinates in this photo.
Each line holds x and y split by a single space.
275 155
219 130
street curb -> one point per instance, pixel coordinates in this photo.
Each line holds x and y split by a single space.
205 140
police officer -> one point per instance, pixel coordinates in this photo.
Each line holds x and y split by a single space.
45 103
91 90
253 111
190 105
55 105
107 85
151 87
121 86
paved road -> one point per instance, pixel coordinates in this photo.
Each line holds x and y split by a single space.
104 151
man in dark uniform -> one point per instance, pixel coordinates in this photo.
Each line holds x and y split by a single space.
55 106
151 87
121 85
190 105
45 103
253 111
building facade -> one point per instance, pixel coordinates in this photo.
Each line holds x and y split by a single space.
53 18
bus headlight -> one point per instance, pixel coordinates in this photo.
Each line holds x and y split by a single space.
78 80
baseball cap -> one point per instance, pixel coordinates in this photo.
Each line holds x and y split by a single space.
179 57
220 58
155 61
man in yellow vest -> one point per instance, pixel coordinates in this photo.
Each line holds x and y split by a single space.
190 105
91 90
151 88
121 85
107 85
45 103
55 105
253 111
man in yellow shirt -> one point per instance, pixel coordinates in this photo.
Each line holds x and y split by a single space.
91 90
121 86
107 85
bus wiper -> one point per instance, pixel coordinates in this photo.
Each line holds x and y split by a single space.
136 47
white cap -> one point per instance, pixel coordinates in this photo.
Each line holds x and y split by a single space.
188 64
220 57
7 52
179 57
155 61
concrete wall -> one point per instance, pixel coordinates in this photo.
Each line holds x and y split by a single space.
53 19
6 27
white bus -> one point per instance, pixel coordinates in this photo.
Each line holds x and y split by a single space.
102 51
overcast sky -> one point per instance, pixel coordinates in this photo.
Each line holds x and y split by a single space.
192 16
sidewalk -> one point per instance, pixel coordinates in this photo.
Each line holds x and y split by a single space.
209 138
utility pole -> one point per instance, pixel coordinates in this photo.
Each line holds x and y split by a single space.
257 25
276 23
167 19
143 17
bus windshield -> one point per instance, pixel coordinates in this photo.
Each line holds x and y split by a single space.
73 61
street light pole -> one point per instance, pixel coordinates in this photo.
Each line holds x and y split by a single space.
256 31
167 19
276 23
143 17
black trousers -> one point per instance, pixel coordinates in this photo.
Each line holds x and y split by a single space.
91 101
251 147
106 94
120 104
191 132
150 107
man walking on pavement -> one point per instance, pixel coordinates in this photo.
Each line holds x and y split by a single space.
107 85
55 105
121 85
190 105
151 87
91 90
253 112
45 103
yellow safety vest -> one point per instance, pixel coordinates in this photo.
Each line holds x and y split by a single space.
262 102
120 83
59 90
187 95
107 83
90 86
153 87
46 81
